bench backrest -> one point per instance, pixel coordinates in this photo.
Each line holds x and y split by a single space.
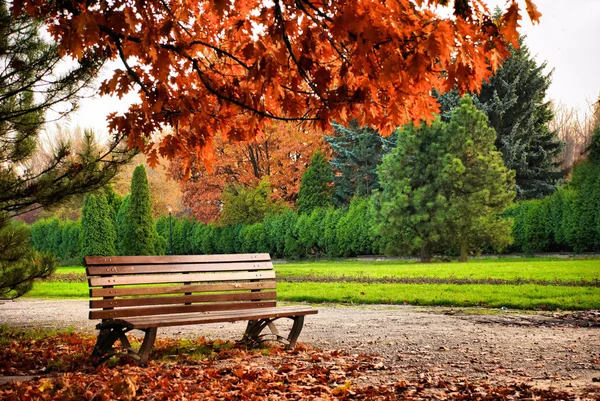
160 285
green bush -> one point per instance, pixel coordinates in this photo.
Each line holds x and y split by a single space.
200 231
209 240
587 208
40 231
122 224
316 188
292 248
275 233
329 241
535 221
98 234
253 238
138 225
569 224
71 244
310 230
57 237
554 225
354 229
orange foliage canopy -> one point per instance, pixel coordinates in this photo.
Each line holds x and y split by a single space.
281 154
204 67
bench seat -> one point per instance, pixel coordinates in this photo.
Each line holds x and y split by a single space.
146 322
149 292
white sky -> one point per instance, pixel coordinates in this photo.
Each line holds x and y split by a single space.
568 38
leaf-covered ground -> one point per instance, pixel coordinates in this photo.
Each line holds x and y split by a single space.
60 369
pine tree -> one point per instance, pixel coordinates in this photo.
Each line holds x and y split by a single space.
139 230
444 185
20 264
514 102
98 234
357 153
477 184
409 209
31 84
316 186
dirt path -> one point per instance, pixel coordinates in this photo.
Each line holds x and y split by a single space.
535 347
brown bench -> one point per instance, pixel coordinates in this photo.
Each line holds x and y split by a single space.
147 292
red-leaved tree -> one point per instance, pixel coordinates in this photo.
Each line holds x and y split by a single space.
281 153
204 67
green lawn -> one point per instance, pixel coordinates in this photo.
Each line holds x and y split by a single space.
523 296
506 269
545 269
493 296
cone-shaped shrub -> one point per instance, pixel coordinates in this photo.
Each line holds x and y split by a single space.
98 234
139 231
316 187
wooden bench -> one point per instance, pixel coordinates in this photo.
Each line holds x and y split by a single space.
147 292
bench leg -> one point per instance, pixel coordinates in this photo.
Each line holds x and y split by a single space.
295 332
108 336
146 347
253 336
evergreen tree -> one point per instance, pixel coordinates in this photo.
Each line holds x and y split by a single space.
20 264
121 223
316 185
514 102
30 85
114 201
247 205
444 185
357 153
98 234
139 235
409 209
477 185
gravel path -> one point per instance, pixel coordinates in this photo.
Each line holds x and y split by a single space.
536 347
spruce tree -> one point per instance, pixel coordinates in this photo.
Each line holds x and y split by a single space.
357 152
139 231
316 185
514 100
98 234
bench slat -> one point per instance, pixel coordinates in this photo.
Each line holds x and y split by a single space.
145 260
164 310
118 303
178 278
177 268
214 317
179 289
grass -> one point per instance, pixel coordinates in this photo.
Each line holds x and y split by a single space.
546 269
506 269
70 270
518 296
493 296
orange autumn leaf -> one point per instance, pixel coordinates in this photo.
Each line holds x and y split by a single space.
510 23
209 68
532 11
281 154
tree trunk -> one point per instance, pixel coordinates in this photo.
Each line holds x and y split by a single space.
426 253
464 254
